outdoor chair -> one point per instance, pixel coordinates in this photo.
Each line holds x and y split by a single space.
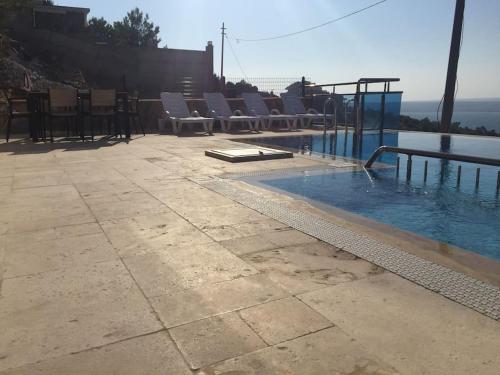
63 104
17 108
102 105
134 114
177 112
257 107
220 111
292 105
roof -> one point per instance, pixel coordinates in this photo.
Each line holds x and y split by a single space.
59 9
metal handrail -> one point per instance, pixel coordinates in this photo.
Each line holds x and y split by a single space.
361 81
432 154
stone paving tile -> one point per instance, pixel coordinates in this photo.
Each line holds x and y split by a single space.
309 266
215 339
3 228
29 291
62 232
329 351
102 189
235 231
92 172
32 160
283 320
44 207
35 178
288 238
7 172
27 253
157 182
222 215
246 245
414 329
221 232
60 312
149 153
42 196
33 218
143 234
114 154
267 241
214 299
123 206
180 192
153 354
2 263
186 169
76 156
137 168
6 181
177 268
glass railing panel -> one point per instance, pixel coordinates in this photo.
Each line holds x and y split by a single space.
392 110
372 111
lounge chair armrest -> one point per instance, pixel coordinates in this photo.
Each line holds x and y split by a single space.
237 113
213 114
312 111
167 114
195 114
252 112
275 112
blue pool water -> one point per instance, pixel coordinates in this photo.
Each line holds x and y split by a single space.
462 216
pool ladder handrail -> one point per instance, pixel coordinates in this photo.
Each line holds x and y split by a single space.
435 154
431 154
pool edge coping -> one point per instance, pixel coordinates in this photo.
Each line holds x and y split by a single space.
454 285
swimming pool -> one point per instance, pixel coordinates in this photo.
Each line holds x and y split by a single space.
463 215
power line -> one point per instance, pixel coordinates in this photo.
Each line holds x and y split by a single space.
313 27
236 57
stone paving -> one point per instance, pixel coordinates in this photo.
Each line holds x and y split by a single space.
115 260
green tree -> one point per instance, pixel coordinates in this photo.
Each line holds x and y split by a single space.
233 90
136 30
100 29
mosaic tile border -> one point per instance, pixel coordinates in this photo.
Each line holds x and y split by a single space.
470 292
291 171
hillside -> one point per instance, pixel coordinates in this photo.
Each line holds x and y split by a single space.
16 62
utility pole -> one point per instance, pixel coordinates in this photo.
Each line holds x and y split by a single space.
222 52
451 77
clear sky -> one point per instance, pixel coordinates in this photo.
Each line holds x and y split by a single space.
400 38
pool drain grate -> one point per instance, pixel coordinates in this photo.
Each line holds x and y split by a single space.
454 285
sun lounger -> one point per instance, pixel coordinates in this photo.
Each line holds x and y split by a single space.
176 111
220 111
292 105
257 107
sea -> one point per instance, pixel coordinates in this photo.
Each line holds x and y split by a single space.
471 113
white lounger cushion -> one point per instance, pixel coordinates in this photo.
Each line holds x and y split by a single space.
292 104
256 104
174 103
217 103
176 109
218 106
